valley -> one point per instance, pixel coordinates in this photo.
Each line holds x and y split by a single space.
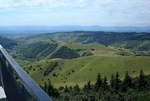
70 58
75 66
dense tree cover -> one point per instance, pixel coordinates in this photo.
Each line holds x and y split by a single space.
7 43
66 53
130 40
128 89
36 46
47 49
38 49
94 36
136 45
138 42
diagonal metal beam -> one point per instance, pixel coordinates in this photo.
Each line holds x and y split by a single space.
25 80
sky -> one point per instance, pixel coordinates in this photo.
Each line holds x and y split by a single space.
75 12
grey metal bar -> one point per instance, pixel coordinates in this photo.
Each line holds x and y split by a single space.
26 80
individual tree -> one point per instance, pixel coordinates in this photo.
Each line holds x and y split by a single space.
117 82
76 88
105 83
52 91
70 89
66 89
142 81
45 87
98 83
85 88
127 82
89 85
112 82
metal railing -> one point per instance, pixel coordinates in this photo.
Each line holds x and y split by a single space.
17 84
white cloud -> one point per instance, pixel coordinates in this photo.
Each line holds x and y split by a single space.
122 7
81 11
46 3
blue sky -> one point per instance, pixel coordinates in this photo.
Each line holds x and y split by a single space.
75 12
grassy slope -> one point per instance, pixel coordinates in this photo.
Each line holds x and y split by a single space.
74 45
78 70
95 48
106 38
135 45
48 49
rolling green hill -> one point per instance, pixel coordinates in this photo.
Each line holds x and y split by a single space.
63 49
135 45
80 70
76 57
106 38
73 58
38 49
139 42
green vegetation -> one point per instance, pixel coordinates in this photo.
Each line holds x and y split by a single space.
128 89
48 49
137 42
106 38
7 43
135 45
81 70
72 60
38 49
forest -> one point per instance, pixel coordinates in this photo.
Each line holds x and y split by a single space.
128 89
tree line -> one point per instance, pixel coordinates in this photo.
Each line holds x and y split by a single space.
128 89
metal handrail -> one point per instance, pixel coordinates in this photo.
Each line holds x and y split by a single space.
28 83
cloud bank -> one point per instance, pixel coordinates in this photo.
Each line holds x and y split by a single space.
37 3
81 12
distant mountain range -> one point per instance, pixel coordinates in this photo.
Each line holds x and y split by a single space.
45 29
